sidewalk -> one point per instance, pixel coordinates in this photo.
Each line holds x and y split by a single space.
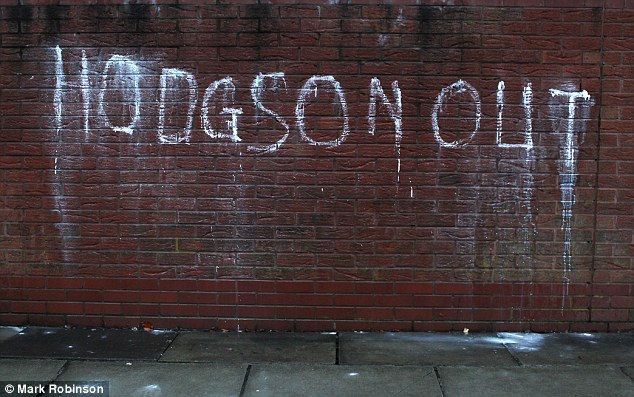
192 364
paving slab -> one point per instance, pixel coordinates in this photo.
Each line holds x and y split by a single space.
573 348
27 371
404 348
279 380
259 347
103 344
542 381
7 332
153 379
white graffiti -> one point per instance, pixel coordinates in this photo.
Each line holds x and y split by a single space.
257 90
121 77
311 86
446 93
126 71
525 196
527 100
227 99
170 74
568 175
395 111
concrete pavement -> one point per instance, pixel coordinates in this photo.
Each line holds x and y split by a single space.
197 363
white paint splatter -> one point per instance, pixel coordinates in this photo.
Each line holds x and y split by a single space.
228 98
171 75
257 90
311 84
458 87
568 177
126 72
394 110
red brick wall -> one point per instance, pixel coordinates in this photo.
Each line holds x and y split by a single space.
318 167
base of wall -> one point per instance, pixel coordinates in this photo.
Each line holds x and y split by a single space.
315 305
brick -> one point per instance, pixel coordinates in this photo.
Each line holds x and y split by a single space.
65 307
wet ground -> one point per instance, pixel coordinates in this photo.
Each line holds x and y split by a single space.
140 363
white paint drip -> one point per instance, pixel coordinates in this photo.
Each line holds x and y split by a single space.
228 94
400 20
527 179
125 69
527 102
500 105
59 82
394 110
57 187
171 75
311 85
458 87
257 90
85 91
568 178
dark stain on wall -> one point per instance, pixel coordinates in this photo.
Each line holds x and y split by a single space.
267 23
136 11
53 14
21 15
260 12
426 17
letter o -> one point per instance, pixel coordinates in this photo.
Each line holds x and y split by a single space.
311 86
458 87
